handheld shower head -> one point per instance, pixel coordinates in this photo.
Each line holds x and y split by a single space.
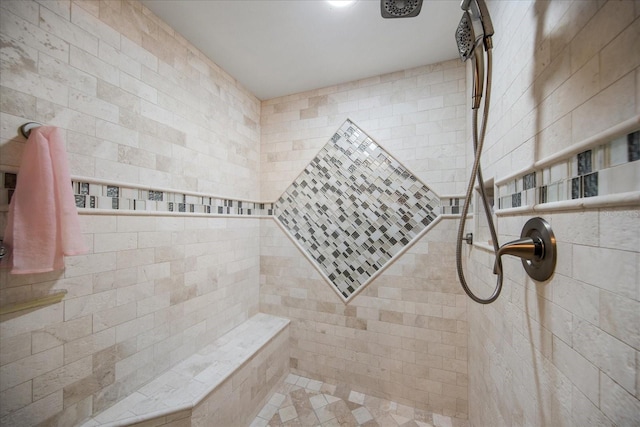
468 39
478 10
475 27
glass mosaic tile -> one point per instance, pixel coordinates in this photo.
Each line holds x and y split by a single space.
584 162
576 188
83 188
354 207
529 181
89 195
633 145
590 185
80 200
10 180
112 191
602 170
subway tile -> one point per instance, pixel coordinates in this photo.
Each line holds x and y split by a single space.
65 74
84 19
138 88
138 53
576 297
94 66
61 7
616 403
620 276
17 103
93 106
60 26
619 316
127 102
114 242
36 85
619 101
37 412
619 228
585 412
30 367
113 316
578 369
57 379
15 348
90 146
66 118
129 365
620 53
25 10
88 345
34 37
15 398
612 356
31 321
82 306
134 328
135 292
152 304
60 333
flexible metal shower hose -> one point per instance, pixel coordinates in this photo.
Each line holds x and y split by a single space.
476 171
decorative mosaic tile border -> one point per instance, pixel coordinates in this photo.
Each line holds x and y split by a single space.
451 205
354 207
352 210
609 168
90 196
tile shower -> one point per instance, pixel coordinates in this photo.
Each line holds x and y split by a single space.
163 280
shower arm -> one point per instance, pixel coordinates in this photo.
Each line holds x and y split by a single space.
536 247
527 248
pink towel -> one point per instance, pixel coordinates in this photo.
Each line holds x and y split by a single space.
43 223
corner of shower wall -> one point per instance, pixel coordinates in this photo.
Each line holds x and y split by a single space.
166 273
404 336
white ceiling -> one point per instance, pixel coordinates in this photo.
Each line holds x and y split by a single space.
281 47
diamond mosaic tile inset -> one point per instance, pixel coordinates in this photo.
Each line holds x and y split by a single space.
355 207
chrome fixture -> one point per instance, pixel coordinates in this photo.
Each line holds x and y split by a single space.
474 32
400 8
536 247
25 129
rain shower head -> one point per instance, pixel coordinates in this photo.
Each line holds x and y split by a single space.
400 8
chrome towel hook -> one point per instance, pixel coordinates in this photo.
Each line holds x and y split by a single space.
25 129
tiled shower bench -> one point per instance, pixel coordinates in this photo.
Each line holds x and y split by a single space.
224 384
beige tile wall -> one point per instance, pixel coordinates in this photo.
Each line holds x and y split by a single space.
137 104
404 337
565 352
418 115
128 315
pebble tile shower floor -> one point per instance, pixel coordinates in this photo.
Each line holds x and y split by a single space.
303 402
